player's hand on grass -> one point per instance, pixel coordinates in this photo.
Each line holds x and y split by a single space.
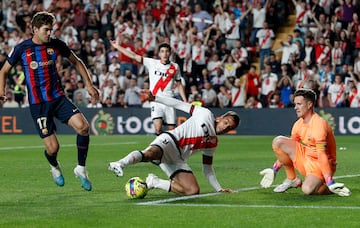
269 177
339 189
226 190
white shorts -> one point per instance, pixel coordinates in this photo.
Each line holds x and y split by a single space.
164 112
171 160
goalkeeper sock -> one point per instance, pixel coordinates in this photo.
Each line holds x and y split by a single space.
286 162
132 158
276 167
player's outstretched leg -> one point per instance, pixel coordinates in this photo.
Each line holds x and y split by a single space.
81 173
132 158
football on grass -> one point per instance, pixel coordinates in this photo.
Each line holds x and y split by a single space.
136 188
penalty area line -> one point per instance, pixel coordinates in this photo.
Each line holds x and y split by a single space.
183 198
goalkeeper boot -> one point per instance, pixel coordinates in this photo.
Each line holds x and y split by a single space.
57 175
151 180
117 168
288 184
81 173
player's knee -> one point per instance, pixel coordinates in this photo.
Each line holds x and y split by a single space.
192 190
52 149
278 141
307 190
84 129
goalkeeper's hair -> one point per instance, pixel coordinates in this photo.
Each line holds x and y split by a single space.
308 94
235 117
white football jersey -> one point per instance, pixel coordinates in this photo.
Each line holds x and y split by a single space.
196 133
162 76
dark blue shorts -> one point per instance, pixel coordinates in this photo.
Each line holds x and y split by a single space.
43 114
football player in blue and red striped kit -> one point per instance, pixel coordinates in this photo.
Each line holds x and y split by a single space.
39 57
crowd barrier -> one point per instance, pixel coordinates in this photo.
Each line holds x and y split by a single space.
112 121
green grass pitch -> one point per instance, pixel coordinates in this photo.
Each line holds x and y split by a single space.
29 198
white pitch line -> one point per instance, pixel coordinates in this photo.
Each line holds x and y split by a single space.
64 145
258 206
182 198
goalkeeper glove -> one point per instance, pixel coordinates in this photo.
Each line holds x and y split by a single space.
337 188
269 177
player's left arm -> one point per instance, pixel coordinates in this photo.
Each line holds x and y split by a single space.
209 172
85 74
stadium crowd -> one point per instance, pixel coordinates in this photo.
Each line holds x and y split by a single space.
214 42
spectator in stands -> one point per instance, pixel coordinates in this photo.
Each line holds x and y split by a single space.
240 53
269 82
352 96
307 53
253 82
336 92
209 95
10 102
275 100
223 97
275 64
265 37
235 32
348 8
230 66
326 78
80 100
126 63
336 56
286 88
252 102
347 47
199 18
237 86
133 95
289 50
259 18
198 56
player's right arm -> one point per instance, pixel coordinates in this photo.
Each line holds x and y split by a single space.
126 52
3 73
178 104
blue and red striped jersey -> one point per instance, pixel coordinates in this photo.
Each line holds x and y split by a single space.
39 65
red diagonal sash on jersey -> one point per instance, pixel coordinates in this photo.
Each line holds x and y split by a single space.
236 96
267 36
197 57
339 95
161 84
301 16
353 95
198 143
148 42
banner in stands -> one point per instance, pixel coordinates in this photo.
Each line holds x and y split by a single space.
345 121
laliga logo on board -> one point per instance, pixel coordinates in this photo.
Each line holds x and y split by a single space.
102 124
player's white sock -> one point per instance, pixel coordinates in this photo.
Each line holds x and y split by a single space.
162 184
132 158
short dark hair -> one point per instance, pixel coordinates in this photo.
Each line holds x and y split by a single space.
235 117
308 94
164 45
42 18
